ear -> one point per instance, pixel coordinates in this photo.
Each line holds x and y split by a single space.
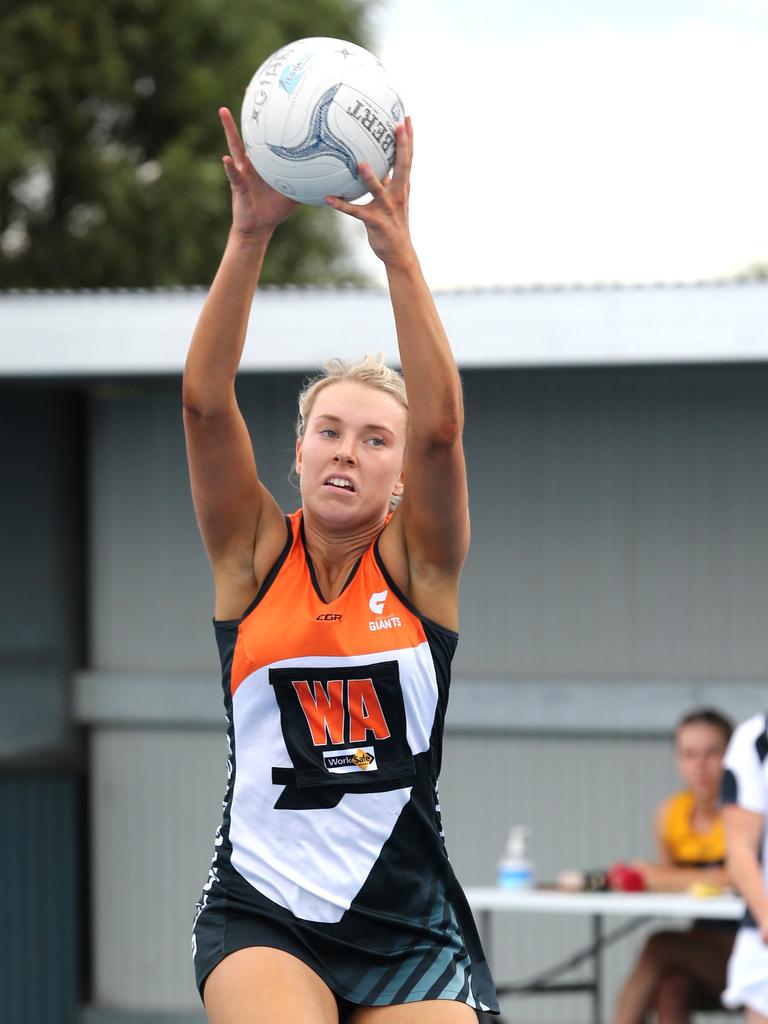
399 487
298 456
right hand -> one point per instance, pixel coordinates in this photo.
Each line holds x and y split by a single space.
255 206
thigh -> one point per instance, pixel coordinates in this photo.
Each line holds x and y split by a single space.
704 955
700 952
430 1011
259 985
753 1017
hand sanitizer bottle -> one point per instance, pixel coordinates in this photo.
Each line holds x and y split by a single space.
515 871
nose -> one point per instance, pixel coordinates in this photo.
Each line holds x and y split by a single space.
344 454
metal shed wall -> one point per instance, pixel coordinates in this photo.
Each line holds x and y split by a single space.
618 536
156 800
41 941
618 516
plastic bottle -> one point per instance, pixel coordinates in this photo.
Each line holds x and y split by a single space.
515 871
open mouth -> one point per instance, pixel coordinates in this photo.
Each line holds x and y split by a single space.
339 482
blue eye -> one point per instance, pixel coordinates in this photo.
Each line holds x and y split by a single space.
328 432
376 442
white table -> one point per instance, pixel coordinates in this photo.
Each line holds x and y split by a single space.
641 906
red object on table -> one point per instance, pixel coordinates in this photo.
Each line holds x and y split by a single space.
625 878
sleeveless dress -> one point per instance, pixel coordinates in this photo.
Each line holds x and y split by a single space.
687 847
331 846
691 849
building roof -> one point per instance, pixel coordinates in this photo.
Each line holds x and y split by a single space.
113 333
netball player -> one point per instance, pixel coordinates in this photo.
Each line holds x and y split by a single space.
745 810
331 896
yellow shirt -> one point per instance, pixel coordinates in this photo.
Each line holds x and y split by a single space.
687 846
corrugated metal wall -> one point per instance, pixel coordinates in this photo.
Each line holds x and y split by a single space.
40 642
156 799
618 534
618 524
40 537
41 935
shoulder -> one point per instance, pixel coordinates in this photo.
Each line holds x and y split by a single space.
669 811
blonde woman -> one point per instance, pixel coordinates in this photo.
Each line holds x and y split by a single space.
330 896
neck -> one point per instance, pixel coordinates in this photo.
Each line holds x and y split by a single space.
706 804
334 551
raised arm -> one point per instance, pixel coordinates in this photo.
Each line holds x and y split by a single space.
241 525
431 529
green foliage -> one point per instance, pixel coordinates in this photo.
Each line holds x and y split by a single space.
756 272
110 144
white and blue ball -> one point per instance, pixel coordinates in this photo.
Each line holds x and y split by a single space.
313 111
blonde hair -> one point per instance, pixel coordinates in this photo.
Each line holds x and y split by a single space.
370 370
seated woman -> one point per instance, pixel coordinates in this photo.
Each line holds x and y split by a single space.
682 971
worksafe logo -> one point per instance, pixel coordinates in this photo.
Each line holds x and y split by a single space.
359 759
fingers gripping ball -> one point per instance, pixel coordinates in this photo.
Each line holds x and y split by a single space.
313 112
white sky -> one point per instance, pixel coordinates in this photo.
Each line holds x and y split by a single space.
590 140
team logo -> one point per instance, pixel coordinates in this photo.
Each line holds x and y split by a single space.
342 761
376 604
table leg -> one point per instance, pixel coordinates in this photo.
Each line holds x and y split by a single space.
597 968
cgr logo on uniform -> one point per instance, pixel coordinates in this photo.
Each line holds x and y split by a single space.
352 760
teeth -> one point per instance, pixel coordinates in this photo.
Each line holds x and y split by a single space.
338 482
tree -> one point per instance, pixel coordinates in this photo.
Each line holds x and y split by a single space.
110 171
756 271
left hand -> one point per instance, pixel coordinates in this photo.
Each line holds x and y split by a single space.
386 216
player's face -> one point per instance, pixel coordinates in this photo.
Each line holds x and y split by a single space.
350 459
700 749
